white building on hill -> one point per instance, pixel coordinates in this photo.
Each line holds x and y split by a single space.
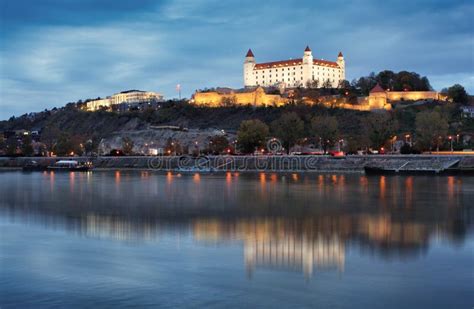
127 97
294 72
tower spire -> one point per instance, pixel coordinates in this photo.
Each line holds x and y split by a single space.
249 53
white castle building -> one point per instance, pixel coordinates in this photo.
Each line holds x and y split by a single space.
294 72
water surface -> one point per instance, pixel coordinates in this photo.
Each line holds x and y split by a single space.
103 239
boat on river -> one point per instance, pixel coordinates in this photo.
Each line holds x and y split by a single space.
71 166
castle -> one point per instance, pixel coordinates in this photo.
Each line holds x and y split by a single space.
300 72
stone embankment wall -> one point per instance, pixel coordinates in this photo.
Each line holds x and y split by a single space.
265 163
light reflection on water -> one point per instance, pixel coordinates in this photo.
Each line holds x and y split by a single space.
301 223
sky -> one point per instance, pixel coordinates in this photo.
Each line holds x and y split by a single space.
57 51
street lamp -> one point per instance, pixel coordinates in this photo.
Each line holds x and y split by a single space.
451 142
341 141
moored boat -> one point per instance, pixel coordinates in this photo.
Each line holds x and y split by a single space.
70 165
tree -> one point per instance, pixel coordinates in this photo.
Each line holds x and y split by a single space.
88 146
379 128
327 84
344 85
64 146
288 128
218 144
457 93
386 79
3 144
251 134
431 128
313 84
173 147
365 84
325 129
12 146
26 147
127 145
401 81
49 136
355 143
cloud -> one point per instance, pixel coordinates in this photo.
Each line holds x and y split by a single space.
62 51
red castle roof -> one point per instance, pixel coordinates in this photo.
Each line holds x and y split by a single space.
340 54
293 62
249 53
377 88
307 48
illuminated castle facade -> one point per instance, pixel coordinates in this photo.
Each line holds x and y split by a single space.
299 72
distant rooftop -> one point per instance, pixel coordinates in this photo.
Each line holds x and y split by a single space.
133 90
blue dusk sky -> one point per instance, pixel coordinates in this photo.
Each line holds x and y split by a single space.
58 51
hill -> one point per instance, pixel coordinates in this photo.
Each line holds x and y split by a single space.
72 123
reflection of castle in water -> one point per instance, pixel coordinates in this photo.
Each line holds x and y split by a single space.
277 243
298 253
316 243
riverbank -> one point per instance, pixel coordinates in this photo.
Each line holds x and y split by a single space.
348 164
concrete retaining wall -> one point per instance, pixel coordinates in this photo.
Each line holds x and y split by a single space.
261 163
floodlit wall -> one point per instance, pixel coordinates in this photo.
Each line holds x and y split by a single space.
412 95
257 97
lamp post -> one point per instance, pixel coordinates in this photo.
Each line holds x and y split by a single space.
451 142
197 146
341 141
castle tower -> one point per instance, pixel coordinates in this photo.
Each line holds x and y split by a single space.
307 66
249 64
342 64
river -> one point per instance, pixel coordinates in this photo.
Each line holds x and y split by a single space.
144 239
